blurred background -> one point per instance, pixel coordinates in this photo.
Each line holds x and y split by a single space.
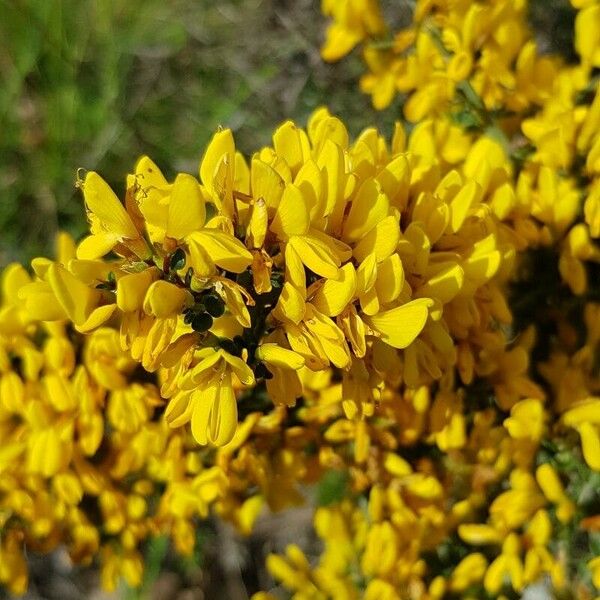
96 84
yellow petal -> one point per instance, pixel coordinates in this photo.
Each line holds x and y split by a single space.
242 371
266 183
327 128
369 207
316 255
221 145
495 575
200 259
468 571
173 354
549 483
68 488
424 486
257 227
132 288
382 240
586 411
223 249
390 279
315 118
14 277
339 42
366 275
164 299
326 334
290 306
186 207
334 295
400 326
310 180
503 201
461 203
90 272
443 286
209 367
292 216
331 160
148 174
214 418
526 420
236 306
59 392
12 392
41 303
273 354
76 298
203 403
479 534
45 452
106 207
64 248
97 317
338 249
97 245
369 302
396 465
354 329
291 144
587 32
246 516
294 269
590 445
395 180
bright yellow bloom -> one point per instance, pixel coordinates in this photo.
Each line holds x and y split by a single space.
207 398
353 21
110 223
350 302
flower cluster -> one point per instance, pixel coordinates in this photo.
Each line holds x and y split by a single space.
420 314
481 52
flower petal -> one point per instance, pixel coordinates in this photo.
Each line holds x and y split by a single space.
223 249
369 207
186 207
292 216
76 298
334 295
401 325
106 207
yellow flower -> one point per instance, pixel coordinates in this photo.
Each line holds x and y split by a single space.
526 420
381 80
401 325
468 571
508 564
218 171
13 567
13 318
208 399
587 34
318 252
594 566
551 486
284 385
110 223
176 215
353 21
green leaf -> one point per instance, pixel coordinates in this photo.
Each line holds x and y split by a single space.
333 487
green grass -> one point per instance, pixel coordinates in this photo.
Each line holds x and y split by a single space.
96 84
